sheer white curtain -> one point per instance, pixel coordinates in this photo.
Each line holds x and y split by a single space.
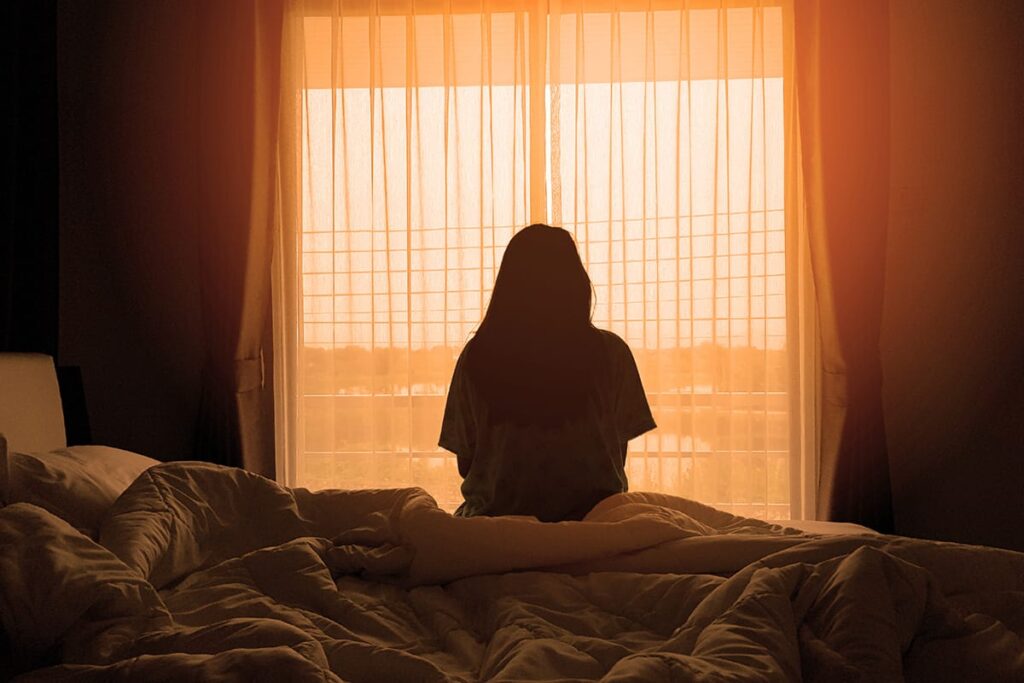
420 135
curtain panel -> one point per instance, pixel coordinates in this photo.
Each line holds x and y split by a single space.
841 60
417 136
240 54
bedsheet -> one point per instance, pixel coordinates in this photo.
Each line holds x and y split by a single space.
213 574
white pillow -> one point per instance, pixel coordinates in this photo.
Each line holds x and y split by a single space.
78 484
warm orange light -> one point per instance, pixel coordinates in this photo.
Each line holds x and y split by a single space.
665 159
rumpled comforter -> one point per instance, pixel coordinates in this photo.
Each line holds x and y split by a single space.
205 573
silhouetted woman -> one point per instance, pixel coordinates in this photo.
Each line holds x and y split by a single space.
542 403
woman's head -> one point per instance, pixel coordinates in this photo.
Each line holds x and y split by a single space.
536 355
541 283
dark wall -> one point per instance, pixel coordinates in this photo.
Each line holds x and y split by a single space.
129 263
953 338
28 179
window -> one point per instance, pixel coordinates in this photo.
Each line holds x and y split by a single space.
421 148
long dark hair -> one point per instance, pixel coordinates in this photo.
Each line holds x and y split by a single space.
536 356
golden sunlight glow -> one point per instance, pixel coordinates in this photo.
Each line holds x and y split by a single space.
664 156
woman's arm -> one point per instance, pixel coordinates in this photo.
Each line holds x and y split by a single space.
458 428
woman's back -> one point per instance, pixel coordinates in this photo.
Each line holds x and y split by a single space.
542 403
551 471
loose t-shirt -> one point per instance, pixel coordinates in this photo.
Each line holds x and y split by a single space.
552 473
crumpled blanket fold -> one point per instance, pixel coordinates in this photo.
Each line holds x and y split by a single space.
211 573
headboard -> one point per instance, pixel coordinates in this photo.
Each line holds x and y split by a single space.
31 417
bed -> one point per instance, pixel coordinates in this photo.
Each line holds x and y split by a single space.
192 571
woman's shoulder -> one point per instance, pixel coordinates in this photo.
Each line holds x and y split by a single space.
618 357
615 346
461 360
